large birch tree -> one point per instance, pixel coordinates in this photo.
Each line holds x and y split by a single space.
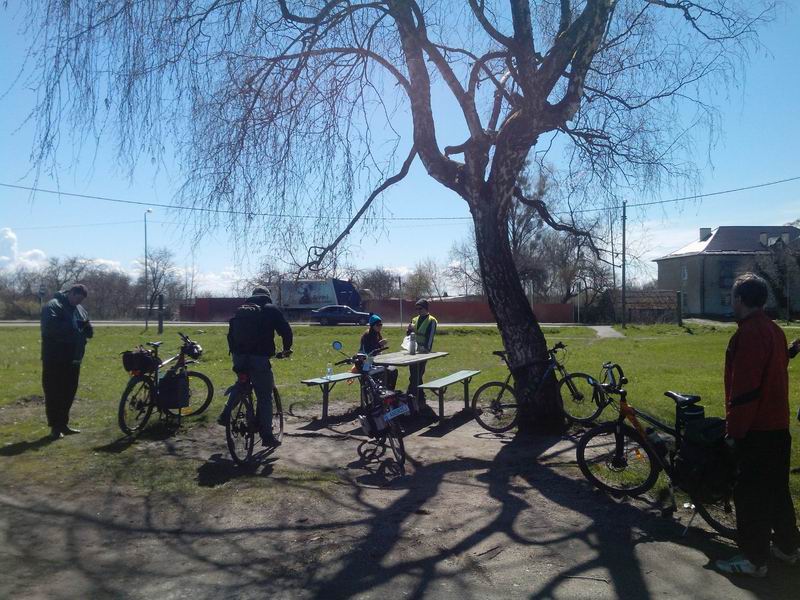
281 111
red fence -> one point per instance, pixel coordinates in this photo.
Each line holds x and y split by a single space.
464 311
454 311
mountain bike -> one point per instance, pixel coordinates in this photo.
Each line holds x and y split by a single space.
624 458
495 404
147 389
242 423
380 407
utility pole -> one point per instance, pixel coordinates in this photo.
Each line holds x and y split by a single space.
400 293
624 219
146 291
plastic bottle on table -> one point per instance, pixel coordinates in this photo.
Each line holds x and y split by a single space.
329 371
412 343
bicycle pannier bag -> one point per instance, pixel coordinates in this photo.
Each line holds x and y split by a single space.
139 360
244 331
173 391
705 464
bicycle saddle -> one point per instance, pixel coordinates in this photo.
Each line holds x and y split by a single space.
154 344
683 399
500 353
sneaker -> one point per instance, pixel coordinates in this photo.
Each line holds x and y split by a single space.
790 559
740 565
222 420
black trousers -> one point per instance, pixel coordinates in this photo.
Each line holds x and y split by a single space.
60 382
415 378
764 508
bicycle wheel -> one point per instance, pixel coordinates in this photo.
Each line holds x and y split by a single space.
201 392
495 406
720 515
395 437
581 397
136 405
240 428
277 415
614 458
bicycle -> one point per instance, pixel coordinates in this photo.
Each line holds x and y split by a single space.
495 405
379 407
144 389
623 458
242 423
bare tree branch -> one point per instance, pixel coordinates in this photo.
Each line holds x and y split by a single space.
320 252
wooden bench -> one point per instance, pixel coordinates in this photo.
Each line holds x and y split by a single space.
439 386
327 384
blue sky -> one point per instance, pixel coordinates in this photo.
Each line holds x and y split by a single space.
758 143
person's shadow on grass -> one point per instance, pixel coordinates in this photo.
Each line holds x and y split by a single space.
20 447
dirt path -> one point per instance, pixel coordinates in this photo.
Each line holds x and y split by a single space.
476 516
606 331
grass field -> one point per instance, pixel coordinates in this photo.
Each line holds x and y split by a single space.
655 359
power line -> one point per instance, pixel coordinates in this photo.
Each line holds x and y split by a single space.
75 225
698 196
327 218
219 211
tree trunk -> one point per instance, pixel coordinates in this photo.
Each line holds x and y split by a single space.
540 406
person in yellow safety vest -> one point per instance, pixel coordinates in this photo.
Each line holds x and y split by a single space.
424 327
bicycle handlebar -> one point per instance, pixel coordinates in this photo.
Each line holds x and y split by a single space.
352 359
618 379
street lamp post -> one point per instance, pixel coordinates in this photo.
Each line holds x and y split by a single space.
146 291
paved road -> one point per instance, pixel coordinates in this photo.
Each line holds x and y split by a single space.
154 324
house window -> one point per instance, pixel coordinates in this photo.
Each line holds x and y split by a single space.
725 298
684 273
726 274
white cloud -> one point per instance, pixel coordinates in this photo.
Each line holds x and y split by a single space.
219 283
11 257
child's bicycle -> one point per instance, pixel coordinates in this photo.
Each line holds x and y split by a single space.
495 405
178 393
242 423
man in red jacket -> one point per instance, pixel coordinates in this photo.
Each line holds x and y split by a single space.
757 418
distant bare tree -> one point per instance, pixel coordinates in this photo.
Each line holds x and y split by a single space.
418 284
290 113
464 267
380 281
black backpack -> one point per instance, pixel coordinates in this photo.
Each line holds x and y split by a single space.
244 329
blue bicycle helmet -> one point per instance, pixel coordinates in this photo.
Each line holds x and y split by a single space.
375 319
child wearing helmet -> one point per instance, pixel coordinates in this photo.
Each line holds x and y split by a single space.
371 340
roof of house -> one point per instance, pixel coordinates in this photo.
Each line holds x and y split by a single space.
738 239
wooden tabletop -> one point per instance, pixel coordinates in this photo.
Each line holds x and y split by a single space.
404 359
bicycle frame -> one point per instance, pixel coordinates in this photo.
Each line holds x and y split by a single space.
552 365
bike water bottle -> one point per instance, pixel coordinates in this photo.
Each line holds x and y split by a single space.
329 371
412 343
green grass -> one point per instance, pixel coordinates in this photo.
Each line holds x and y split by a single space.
655 359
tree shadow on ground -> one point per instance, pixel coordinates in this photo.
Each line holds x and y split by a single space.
220 469
496 524
158 432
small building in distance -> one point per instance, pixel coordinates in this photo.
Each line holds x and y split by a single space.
705 269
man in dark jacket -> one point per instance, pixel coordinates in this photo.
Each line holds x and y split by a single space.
65 329
757 420
251 343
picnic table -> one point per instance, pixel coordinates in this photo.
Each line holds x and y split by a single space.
404 359
327 383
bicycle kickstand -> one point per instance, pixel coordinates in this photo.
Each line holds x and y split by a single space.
691 519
